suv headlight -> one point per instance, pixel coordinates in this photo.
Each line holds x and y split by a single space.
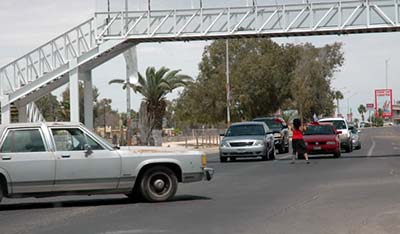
258 143
279 135
224 144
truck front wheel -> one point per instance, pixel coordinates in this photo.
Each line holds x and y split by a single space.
1 192
158 184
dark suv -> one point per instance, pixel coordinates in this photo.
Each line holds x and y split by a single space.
280 129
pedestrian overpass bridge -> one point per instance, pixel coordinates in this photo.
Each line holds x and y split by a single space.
71 56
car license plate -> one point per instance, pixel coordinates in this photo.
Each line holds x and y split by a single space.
317 147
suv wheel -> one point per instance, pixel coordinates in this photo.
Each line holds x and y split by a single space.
271 154
349 148
281 149
265 156
222 159
158 184
287 149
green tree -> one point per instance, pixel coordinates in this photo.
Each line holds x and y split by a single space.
265 77
260 72
50 107
154 87
362 109
312 79
338 96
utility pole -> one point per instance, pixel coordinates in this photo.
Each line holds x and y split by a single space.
104 110
228 88
386 72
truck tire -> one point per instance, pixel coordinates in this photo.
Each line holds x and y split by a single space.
1 193
158 184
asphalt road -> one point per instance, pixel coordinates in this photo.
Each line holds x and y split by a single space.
355 194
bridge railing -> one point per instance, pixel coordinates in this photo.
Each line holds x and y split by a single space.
276 20
48 57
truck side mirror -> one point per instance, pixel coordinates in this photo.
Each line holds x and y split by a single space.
88 150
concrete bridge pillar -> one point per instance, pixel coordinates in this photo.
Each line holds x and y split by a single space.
22 114
88 98
74 95
5 110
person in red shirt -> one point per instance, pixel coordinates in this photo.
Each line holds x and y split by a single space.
298 144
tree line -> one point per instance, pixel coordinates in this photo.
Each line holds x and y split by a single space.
265 77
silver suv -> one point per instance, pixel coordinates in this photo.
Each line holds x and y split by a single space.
345 137
247 139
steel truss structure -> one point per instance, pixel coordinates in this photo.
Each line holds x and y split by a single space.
71 56
339 17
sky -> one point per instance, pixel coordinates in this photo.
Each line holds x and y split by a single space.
27 24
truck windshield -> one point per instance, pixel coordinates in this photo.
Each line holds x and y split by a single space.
245 130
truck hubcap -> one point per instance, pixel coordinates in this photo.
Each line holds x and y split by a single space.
159 184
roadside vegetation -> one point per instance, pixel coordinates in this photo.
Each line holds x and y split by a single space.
265 77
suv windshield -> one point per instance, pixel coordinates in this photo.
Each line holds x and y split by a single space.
319 130
245 130
271 123
339 124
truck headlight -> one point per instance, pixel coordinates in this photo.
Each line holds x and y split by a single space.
224 144
258 143
203 160
331 143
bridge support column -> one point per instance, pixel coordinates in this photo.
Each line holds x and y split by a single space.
131 78
22 114
5 111
74 95
88 98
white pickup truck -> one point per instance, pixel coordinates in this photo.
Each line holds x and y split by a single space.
50 159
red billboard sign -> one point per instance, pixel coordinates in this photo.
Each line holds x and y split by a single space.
383 102
370 105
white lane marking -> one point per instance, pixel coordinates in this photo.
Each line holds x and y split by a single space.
372 147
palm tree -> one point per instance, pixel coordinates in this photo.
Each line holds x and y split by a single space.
361 109
338 96
126 83
154 87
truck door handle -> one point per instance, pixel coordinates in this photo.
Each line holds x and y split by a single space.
65 156
6 157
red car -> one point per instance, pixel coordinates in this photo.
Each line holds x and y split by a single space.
322 139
